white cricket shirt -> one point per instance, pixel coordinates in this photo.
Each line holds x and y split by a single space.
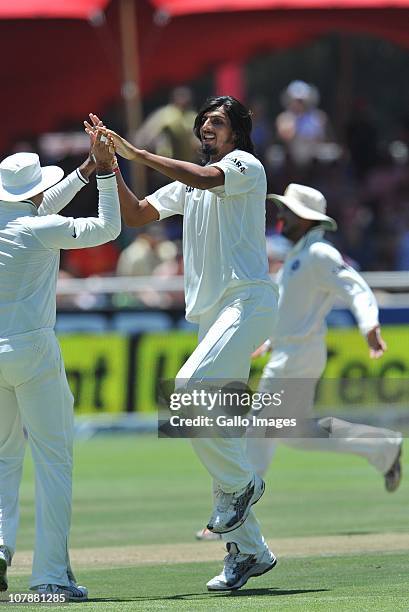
30 243
313 276
223 230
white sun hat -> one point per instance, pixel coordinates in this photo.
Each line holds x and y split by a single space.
305 202
21 177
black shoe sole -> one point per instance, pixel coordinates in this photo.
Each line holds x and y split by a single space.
236 588
244 517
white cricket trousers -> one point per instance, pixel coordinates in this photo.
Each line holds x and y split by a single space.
228 333
34 394
300 367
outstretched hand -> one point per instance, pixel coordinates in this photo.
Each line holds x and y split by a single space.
91 128
122 146
377 345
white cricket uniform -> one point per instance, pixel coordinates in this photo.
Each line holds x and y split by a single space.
34 392
313 276
228 293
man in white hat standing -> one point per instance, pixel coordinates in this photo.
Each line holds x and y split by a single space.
313 276
34 392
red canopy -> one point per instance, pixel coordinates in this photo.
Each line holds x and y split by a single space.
56 71
32 9
188 7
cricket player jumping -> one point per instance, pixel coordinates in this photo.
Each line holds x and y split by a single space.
228 293
34 392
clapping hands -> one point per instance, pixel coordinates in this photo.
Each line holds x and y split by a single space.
122 146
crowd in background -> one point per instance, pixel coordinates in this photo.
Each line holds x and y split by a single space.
365 181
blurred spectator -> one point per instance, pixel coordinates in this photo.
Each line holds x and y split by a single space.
142 256
170 267
302 127
169 130
151 254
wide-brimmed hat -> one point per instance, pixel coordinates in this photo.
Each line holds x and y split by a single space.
300 90
305 202
21 177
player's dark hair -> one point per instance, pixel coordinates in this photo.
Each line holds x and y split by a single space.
240 120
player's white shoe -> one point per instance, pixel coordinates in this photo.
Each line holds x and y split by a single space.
5 562
238 568
72 592
208 536
232 509
394 474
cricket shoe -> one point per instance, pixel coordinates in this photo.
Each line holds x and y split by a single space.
238 568
205 535
5 562
232 509
394 474
72 592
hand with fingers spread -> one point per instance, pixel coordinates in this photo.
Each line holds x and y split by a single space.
122 146
91 128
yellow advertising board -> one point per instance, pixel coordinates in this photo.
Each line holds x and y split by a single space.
114 373
97 371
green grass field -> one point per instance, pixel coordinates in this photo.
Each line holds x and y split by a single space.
342 541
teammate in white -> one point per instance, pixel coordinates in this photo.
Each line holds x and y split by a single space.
34 392
228 293
313 276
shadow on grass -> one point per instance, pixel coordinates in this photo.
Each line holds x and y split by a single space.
275 592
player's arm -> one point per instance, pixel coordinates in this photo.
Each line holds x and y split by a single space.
334 275
135 213
57 232
193 175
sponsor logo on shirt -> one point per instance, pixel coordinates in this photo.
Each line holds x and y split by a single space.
295 265
240 166
189 189
74 233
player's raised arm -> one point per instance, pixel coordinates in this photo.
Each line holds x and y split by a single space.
135 212
193 175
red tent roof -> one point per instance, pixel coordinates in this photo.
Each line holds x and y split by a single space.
188 7
32 9
56 71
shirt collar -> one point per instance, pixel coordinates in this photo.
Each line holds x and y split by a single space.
315 234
